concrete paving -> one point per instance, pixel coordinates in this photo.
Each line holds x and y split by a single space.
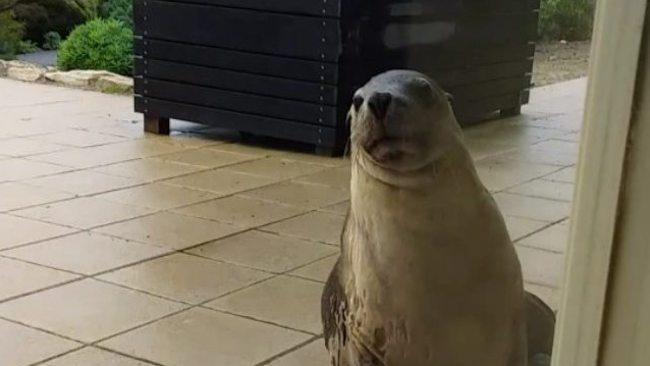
119 247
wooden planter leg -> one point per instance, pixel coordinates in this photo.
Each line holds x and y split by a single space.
157 125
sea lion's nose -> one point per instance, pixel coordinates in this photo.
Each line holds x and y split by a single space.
379 103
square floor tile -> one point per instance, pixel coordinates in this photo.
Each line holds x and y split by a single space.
203 337
17 195
83 182
554 238
317 271
312 158
532 208
90 356
316 226
276 168
18 231
546 189
78 138
264 251
287 301
18 278
300 194
148 169
85 252
18 169
498 173
337 178
170 230
185 277
567 175
558 145
239 148
220 181
341 208
84 212
206 158
541 266
312 354
241 211
23 346
157 196
18 147
549 157
519 227
87 310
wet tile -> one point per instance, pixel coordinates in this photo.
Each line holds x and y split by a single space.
87 310
313 354
203 337
498 174
19 195
19 278
220 181
337 178
554 238
85 252
283 300
317 271
157 196
185 277
567 175
78 138
206 158
18 169
18 231
519 227
276 168
541 267
84 212
18 147
23 346
90 356
316 226
83 182
264 251
300 194
532 208
148 169
170 230
241 211
546 189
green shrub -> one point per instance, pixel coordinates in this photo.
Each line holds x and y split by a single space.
11 33
101 44
51 41
571 20
61 16
121 10
26 46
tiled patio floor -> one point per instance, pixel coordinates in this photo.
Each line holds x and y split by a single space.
118 248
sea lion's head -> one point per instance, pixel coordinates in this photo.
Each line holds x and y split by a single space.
401 121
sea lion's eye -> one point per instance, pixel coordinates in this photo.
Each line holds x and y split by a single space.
357 101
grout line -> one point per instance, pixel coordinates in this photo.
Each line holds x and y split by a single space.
290 350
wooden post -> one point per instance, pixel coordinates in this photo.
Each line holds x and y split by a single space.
157 125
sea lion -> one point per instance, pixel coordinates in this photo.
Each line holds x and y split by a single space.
427 275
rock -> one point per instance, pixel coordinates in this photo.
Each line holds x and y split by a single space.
24 71
78 78
3 68
114 83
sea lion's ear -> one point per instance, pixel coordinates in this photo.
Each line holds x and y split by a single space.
450 98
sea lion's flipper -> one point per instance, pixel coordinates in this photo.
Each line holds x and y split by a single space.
541 328
333 313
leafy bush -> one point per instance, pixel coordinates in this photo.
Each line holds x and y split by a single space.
571 20
51 41
100 44
26 46
61 16
11 33
121 10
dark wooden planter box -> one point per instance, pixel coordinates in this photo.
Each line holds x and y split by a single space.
288 68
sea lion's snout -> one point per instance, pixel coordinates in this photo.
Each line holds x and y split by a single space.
379 104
